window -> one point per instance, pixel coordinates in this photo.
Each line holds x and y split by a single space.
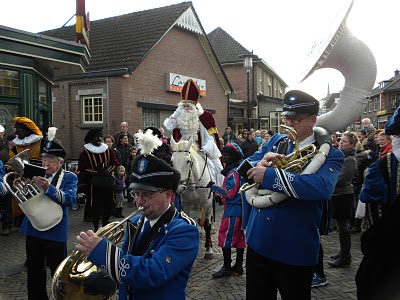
269 86
370 103
236 112
151 117
375 104
9 83
393 101
92 109
262 82
274 119
42 91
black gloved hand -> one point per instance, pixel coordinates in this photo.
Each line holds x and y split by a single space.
210 184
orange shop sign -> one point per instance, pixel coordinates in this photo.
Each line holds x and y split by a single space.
175 83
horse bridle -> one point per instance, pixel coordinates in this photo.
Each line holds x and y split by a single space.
187 181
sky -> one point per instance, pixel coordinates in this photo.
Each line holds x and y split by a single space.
281 32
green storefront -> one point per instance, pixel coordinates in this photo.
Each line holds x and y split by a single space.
29 63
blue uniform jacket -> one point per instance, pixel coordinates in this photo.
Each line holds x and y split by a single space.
289 232
163 271
229 193
66 197
3 189
375 188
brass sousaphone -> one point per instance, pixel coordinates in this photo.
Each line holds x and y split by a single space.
342 51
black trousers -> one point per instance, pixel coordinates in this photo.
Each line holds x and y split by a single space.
319 268
41 253
6 202
265 276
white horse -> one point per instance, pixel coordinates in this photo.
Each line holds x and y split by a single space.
194 176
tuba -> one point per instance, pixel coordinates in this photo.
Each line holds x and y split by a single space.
342 51
42 212
75 274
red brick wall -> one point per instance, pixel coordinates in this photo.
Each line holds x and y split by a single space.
180 52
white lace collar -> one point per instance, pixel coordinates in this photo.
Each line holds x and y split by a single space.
28 140
96 149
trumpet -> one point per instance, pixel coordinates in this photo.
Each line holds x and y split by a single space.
293 162
72 274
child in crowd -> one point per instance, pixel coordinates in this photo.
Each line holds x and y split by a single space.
129 172
120 178
230 232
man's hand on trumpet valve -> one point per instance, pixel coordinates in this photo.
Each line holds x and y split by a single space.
87 241
269 159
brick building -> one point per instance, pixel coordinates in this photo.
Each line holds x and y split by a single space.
139 61
266 87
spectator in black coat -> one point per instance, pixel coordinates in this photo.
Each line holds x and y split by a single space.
229 136
249 145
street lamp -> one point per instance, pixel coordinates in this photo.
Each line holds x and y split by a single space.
248 65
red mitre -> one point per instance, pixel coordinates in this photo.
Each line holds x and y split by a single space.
190 92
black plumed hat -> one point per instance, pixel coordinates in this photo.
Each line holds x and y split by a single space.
153 174
53 147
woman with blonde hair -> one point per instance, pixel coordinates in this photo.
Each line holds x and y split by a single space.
385 144
343 199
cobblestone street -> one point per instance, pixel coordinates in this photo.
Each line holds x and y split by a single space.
201 284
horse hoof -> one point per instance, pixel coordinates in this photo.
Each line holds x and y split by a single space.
209 256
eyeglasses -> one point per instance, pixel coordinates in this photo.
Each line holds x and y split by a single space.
293 120
146 196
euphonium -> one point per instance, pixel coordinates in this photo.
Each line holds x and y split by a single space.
42 212
293 162
72 274
22 188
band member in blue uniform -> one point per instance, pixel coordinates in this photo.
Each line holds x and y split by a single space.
230 232
283 239
49 247
160 246
378 275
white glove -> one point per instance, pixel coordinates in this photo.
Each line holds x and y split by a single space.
177 112
181 188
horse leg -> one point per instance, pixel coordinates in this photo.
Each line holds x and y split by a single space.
207 228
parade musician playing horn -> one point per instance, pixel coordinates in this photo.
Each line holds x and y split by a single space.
160 245
49 247
283 239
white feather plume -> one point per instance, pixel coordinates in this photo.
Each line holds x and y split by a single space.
51 133
147 142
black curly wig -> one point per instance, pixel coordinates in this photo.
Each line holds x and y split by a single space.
94 136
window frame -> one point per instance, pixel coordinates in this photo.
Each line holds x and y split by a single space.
93 113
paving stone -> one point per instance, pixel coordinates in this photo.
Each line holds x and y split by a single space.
201 286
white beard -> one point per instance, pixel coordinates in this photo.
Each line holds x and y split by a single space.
189 124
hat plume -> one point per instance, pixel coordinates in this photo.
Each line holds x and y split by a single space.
147 142
51 133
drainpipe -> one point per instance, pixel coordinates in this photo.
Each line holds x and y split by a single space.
108 107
